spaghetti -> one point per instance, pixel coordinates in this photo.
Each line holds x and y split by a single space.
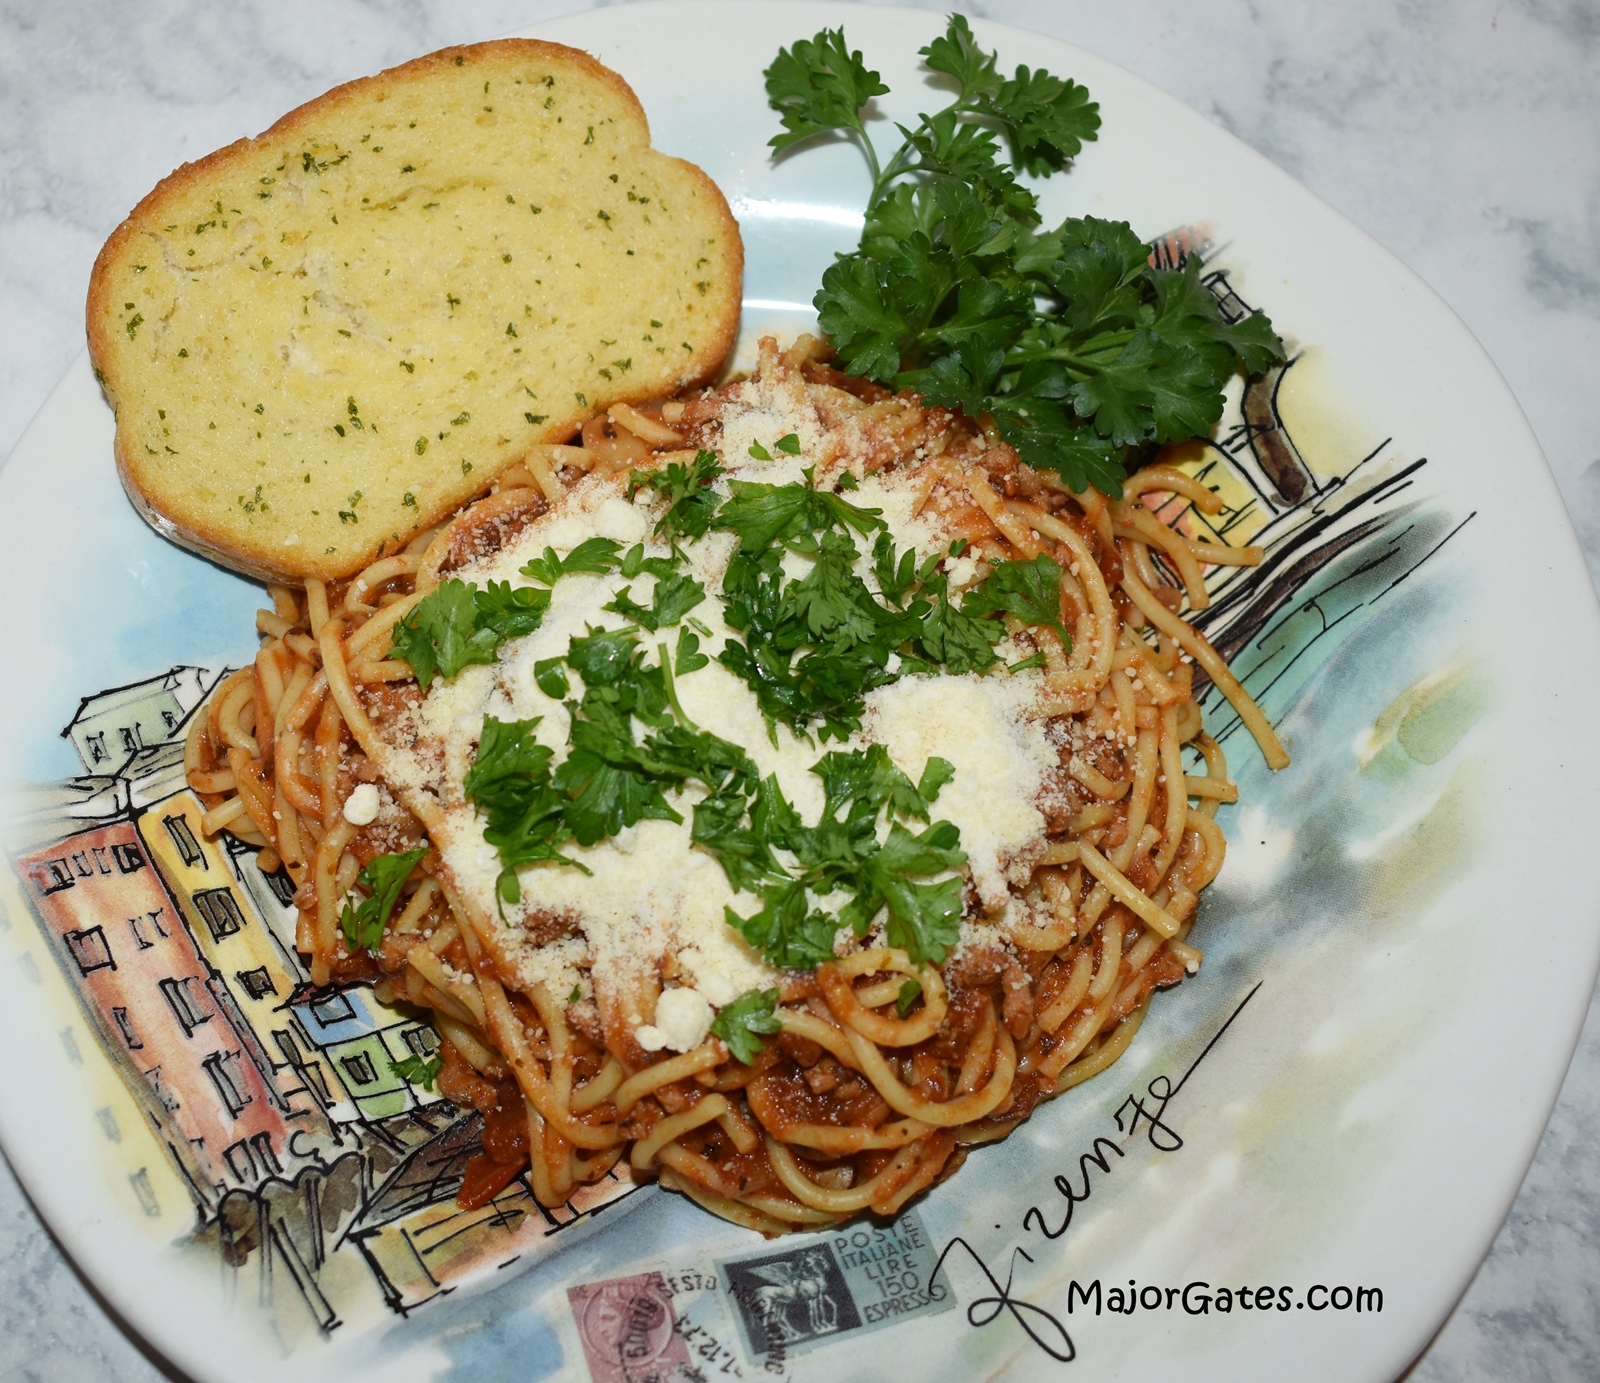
881 1069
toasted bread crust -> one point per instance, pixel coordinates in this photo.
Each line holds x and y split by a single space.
243 541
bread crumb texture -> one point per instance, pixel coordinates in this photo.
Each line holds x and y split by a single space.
322 341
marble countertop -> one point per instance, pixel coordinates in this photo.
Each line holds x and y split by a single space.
1463 134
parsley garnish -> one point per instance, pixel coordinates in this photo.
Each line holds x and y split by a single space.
952 636
689 658
418 1070
789 443
691 502
764 514
550 679
383 878
812 646
738 1023
1029 590
510 783
609 780
841 853
910 992
935 774
457 624
674 596
593 556
1081 350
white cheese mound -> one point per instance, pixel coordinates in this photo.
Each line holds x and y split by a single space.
361 806
683 1018
651 892
979 723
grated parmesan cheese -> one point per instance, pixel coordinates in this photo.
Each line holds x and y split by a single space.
980 724
651 892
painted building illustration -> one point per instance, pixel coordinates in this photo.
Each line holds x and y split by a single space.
360 1038
157 1008
317 1172
112 726
1338 531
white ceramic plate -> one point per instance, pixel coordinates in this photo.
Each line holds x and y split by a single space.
1398 952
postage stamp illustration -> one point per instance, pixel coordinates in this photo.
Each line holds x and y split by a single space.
629 1331
826 1288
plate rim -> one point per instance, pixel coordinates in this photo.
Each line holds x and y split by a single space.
36 1178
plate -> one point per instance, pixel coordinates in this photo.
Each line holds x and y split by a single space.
1297 1165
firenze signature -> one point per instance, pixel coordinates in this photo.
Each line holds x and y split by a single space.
1136 1112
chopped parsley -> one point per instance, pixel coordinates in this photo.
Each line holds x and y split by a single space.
383 878
457 624
812 646
674 596
741 1023
691 502
416 1070
629 747
510 783
689 658
1029 590
609 781
841 853
788 443
595 556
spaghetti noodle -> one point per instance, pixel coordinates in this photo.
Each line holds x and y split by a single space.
880 1069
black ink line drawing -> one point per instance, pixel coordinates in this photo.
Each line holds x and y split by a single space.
320 1178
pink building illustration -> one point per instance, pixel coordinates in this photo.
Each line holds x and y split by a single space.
158 1011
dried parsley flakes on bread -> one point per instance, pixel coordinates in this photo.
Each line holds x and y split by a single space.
323 340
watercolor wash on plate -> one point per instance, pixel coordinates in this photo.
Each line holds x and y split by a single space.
1347 1094
268 1130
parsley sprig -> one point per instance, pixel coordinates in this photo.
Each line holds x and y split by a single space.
457 624
691 502
612 778
1084 354
742 1023
417 1070
510 783
630 748
812 646
841 853
593 556
383 877
673 597
1031 591
675 594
